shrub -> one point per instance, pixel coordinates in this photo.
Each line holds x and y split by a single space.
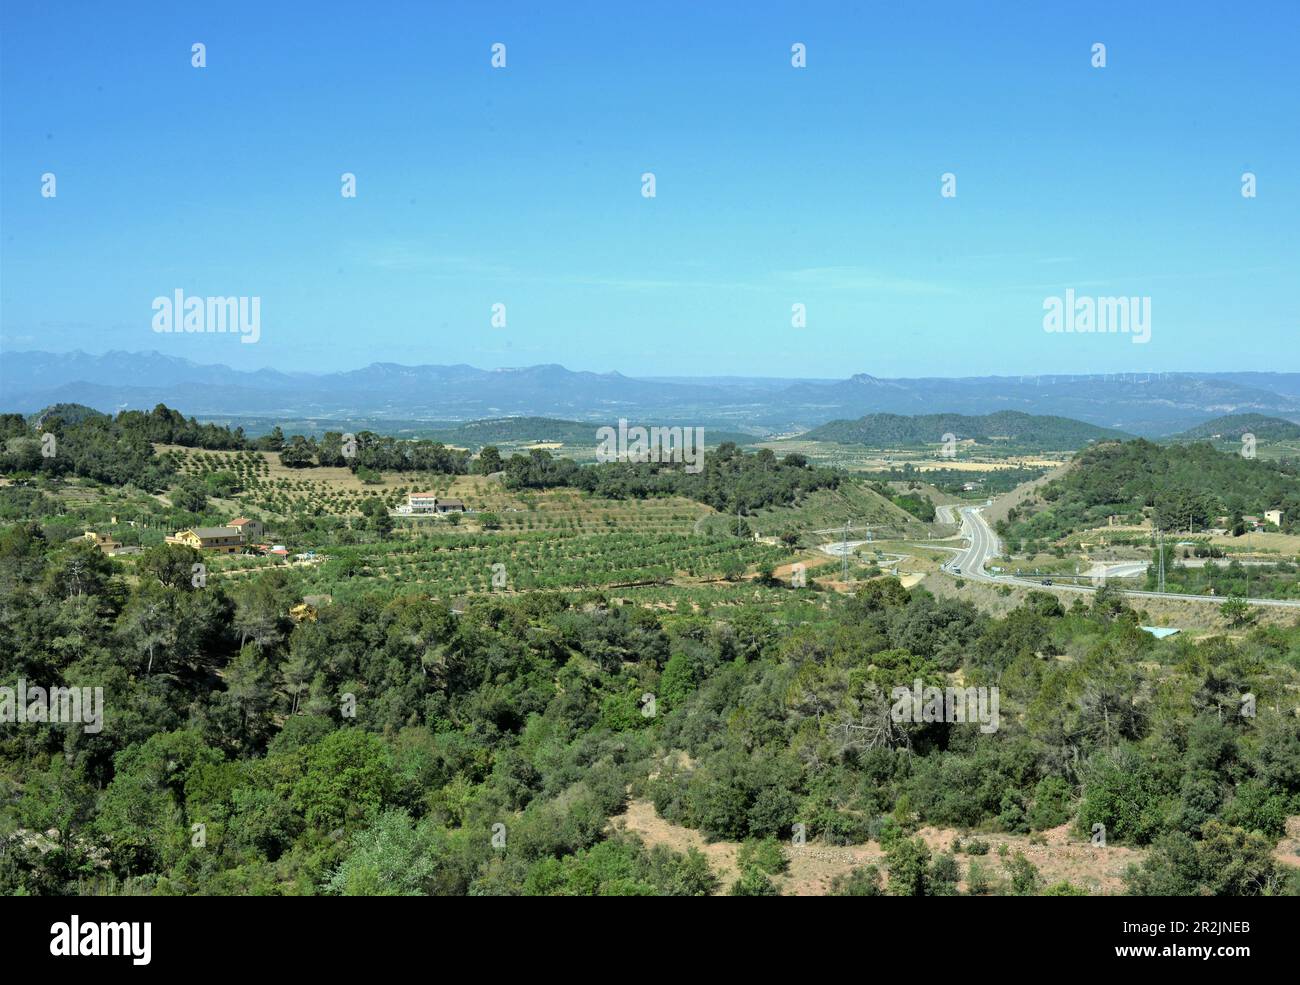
1025 880
752 882
1053 803
860 881
765 854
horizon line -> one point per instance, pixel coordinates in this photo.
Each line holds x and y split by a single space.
652 377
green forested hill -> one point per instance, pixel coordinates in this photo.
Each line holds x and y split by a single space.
1182 486
1233 426
67 413
1009 429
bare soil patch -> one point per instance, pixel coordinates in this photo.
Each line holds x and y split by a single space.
1058 854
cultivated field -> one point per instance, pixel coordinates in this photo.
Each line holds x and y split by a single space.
449 565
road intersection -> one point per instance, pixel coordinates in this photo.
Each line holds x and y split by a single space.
983 546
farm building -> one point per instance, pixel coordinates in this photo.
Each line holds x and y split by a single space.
427 502
223 540
239 533
422 502
103 541
250 530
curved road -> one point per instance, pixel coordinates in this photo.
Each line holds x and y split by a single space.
983 546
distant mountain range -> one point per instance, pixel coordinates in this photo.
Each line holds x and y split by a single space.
1007 429
1149 405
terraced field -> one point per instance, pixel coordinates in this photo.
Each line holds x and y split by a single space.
271 490
456 564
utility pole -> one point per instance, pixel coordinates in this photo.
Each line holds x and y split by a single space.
844 553
1160 546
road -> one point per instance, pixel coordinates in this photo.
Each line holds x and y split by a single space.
839 549
983 546
1122 569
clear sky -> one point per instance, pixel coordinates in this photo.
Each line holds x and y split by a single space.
774 185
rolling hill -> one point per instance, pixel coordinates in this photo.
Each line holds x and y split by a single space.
1232 426
1005 430
827 509
1178 488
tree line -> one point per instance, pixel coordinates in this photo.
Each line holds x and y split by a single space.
729 480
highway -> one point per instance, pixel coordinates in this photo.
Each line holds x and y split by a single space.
983 546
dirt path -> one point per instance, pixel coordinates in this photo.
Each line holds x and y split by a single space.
1061 856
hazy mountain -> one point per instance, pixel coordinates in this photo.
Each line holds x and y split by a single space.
30 380
1004 429
20 371
1149 405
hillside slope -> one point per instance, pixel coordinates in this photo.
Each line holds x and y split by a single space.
1181 487
823 509
1233 426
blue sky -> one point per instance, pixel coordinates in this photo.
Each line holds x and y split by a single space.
775 185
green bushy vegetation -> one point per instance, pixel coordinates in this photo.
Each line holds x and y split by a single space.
1182 488
392 745
729 479
464 711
